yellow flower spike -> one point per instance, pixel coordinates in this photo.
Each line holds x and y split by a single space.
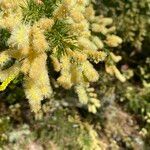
4 57
90 13
113 40
146 84
83 97
61 11
76 16
105 21
98 42
92 108
11 20
109 69
90 73
39 42
86 43
118 74
20 38
8 4
65 81
115 58
45 23
99 28
76 74
4 85
56 63
97 56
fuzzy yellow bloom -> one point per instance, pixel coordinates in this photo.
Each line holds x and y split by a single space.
10 20
39 42
4 57
25 67
112 70
56 63
109 69
105 21
87 44
113 40
42 80
90 89
76 74
98 42
97 56
20 38
146 84
45 23
77 56
90 73
96 102
89 13
99 28
115 58
65 81
76 16
83 2
33 94
70 3
83 97
80 27
37 85
92 108
7 4
65 78
38 71
111 29
61 11
87 96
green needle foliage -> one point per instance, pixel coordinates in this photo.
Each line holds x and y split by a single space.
4 35
33 11
59 38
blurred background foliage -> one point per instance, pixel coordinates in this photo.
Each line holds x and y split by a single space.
123 121
130 17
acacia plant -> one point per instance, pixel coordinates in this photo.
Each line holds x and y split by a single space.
44 37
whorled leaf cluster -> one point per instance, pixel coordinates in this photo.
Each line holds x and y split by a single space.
130 17
59 36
